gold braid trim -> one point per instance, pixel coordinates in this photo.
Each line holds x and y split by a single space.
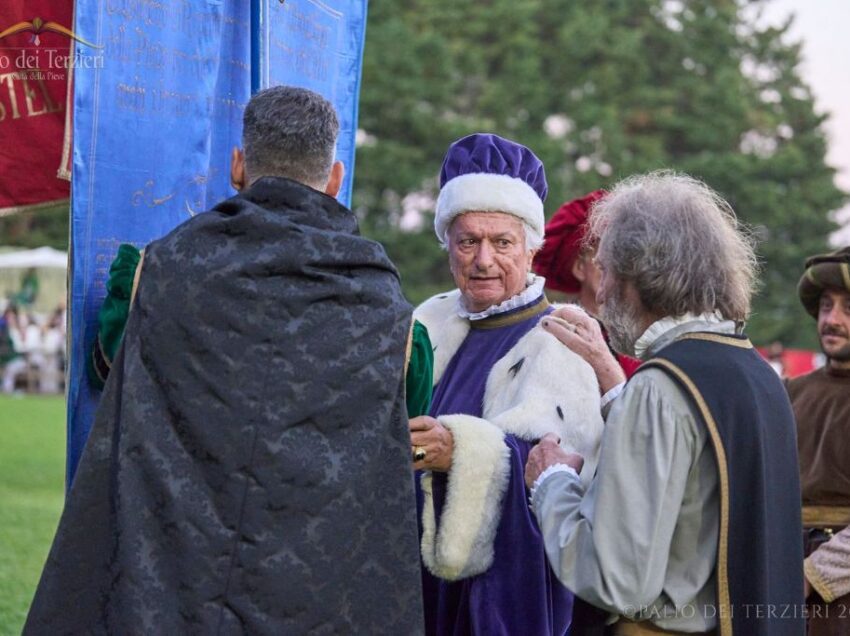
494 322
845 275
136 276
408 350
811 276
98 355
826 516
719 338
724 602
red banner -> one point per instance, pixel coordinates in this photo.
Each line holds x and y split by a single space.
36 63
789 363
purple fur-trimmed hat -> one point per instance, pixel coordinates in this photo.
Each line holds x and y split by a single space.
487 173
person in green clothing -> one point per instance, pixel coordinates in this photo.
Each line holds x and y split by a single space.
28 292
8 349
120 290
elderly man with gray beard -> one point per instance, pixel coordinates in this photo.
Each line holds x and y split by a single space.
691 523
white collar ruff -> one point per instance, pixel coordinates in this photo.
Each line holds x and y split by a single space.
660 327
533 291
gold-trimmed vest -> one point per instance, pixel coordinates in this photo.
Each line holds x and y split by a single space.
746 411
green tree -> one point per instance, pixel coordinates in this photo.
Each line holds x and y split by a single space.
36 228
599 90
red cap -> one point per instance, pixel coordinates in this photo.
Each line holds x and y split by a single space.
564 234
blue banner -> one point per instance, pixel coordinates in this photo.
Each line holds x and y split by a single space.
156 118
317 45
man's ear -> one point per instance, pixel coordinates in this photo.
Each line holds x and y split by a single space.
578 268
237 169
335 179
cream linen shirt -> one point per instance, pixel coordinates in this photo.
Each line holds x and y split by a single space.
642 541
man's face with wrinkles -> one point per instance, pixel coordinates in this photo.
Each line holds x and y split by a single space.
488 258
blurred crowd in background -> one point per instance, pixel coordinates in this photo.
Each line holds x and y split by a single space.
32 343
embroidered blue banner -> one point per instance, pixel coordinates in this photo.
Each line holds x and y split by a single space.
317 45
155 121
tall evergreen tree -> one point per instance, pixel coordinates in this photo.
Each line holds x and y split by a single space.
600 90
36 228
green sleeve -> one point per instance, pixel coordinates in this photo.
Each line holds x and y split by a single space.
113 314
420 372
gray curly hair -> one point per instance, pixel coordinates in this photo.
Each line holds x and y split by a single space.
679 243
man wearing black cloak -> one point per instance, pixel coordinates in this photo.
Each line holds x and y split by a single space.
249 466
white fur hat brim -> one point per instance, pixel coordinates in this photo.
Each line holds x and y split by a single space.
484 192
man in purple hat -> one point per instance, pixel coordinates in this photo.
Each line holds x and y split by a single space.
501 382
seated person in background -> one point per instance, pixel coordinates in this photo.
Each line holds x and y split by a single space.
53 353
28 293
25 344
501 383
11 344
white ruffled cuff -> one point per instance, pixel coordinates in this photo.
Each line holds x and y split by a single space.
551 470
611 394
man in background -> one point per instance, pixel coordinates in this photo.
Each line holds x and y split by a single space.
821 402
566 260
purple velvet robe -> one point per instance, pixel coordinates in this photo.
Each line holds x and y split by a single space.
519 594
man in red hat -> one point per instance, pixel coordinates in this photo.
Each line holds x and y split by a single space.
821 402
566 259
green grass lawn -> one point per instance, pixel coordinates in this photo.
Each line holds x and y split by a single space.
32 477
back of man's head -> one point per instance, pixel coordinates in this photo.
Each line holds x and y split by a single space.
290 132
679 243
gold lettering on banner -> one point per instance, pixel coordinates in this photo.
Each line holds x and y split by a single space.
29 93
139 34
314 26
146 197
131 98
9 78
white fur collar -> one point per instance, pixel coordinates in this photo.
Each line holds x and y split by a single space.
446 329
540 386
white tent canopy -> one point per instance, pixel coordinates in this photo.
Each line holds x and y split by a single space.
40 257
